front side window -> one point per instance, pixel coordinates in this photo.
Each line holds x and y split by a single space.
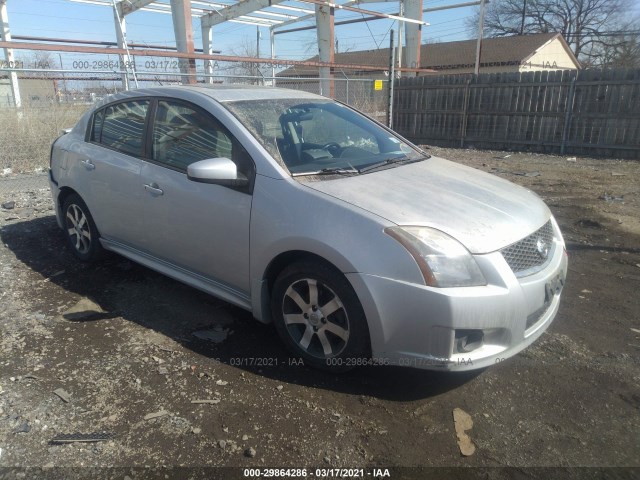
123 126
184 135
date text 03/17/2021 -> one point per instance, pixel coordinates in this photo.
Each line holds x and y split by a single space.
316 473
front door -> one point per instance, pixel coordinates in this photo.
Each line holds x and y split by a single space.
201 227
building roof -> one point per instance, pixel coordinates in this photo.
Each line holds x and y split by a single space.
452 55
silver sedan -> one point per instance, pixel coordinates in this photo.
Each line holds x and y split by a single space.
357 245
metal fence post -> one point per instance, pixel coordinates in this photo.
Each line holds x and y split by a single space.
392 74
465 112
347 81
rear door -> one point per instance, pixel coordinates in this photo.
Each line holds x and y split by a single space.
201 227
106 170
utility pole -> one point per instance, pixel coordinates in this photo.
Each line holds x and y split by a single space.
257 41
272 38
64 79
524 14
483 7
400 31
257 53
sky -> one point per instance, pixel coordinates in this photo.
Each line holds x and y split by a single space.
66 19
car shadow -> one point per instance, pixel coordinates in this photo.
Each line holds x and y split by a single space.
137 294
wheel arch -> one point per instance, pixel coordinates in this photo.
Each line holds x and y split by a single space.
92 250
357 344
276 266
62 196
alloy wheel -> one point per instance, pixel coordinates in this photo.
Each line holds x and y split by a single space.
78 229
315 318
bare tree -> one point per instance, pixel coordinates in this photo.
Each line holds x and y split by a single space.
245 69
622 52
590 27
42 62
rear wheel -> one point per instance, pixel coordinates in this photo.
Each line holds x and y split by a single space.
80 229
319 317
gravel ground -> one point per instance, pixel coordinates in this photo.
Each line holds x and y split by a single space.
110 348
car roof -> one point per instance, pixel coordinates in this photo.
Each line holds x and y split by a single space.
221 93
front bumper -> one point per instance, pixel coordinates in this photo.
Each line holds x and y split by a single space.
461 328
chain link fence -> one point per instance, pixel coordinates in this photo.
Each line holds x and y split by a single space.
54 99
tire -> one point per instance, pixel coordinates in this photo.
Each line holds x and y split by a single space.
80 229
318 316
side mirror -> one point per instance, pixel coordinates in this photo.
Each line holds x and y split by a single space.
219 171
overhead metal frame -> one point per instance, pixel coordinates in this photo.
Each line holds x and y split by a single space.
272 14
203 8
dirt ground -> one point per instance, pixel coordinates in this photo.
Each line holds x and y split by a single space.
116 342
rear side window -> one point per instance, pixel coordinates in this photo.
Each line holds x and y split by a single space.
183 135
122 127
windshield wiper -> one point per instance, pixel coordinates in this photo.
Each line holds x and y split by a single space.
329 171
390 161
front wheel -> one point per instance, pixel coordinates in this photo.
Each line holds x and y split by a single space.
80 229
319 317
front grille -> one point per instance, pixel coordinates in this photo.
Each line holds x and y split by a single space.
526 256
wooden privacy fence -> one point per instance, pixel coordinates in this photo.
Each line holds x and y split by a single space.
587 112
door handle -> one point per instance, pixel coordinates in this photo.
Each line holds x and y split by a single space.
153 188
88 165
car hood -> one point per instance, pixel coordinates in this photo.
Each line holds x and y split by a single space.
484 212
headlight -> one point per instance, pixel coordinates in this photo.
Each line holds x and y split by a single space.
556 230
443 261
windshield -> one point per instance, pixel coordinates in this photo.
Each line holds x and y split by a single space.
320 137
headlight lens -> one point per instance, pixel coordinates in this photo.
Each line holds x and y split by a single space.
443 261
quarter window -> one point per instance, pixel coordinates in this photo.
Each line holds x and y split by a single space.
96 129
123 126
